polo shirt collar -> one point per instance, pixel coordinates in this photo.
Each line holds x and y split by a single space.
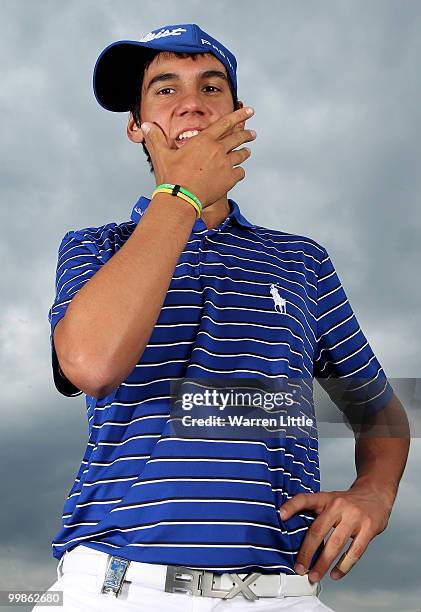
235 215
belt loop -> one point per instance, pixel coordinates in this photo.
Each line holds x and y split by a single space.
283 586
59 566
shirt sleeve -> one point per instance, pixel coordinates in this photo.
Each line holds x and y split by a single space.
344 363
77 263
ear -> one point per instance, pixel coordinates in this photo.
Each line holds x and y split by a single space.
134 132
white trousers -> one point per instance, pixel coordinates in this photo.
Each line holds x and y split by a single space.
81 593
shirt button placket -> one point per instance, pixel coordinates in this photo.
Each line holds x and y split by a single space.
203 245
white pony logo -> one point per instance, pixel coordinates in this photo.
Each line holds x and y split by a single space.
278 300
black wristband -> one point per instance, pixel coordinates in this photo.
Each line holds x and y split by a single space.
175 190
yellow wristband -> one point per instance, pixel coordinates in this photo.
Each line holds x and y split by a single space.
181 195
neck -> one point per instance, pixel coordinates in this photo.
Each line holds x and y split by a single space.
214 214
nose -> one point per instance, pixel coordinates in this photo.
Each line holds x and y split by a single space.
191 102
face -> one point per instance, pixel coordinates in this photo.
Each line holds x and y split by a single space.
187 100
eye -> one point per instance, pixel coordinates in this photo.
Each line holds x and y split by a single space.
169 88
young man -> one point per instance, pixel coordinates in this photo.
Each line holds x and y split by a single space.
190 289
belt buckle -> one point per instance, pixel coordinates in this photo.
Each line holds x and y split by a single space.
181 579
240 585
114 576
201 582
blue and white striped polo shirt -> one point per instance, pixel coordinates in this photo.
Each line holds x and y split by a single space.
154 497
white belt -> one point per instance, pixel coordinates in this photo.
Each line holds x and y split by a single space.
176 579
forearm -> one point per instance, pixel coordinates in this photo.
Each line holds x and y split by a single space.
110 320
380 460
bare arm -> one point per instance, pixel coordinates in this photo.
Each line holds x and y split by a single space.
109 321
381 451
362 511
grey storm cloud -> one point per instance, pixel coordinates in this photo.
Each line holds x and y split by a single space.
336 87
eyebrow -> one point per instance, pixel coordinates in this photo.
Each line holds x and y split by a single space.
170 76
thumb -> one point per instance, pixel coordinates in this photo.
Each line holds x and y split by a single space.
154 134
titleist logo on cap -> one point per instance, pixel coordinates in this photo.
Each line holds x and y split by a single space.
162 33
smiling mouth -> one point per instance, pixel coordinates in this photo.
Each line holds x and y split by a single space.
180 143
184 140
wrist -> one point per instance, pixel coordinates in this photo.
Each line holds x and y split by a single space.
174 205
190 188
383 490
180 192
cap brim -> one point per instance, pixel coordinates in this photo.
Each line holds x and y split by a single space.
117 73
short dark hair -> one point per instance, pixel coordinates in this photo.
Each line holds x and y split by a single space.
135 108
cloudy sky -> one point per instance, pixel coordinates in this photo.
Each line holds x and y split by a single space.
336 89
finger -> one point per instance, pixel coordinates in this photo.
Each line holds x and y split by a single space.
302 501
334 545
237 157
154 135
226 123
234 140
239 173
351 556
313 538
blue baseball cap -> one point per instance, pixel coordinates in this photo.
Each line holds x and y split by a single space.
114 80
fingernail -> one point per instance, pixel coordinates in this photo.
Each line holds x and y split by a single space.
335 574
145 127
300 569
253 133
249 110
313 576
283 513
